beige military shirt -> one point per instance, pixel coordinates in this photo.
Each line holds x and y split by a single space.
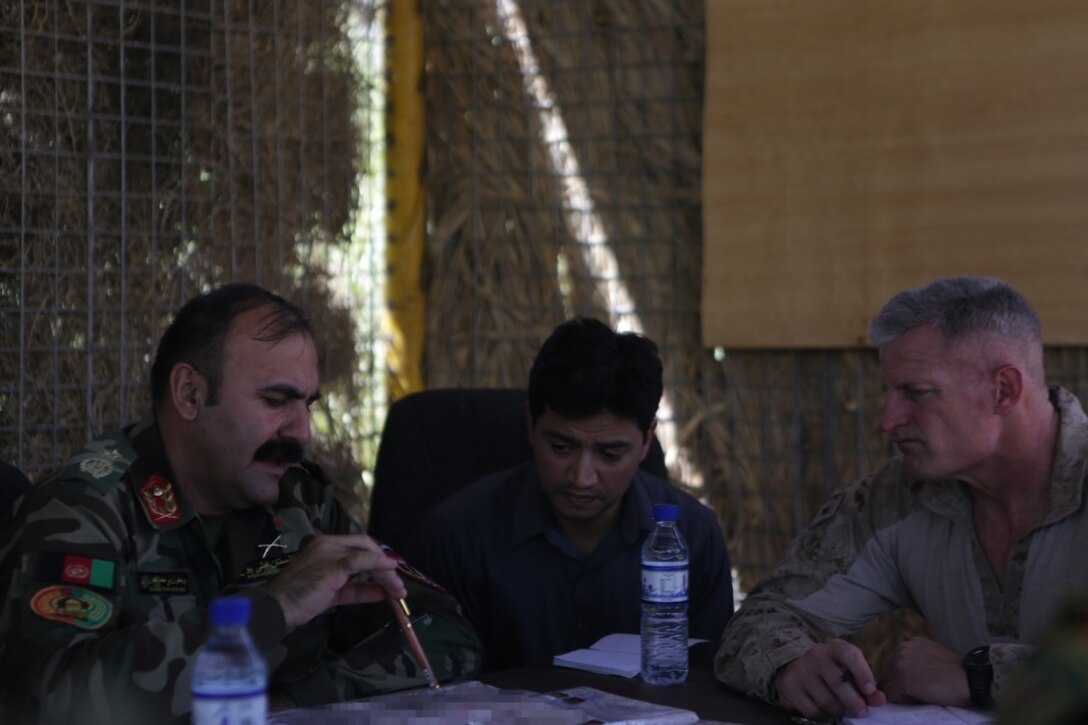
887 542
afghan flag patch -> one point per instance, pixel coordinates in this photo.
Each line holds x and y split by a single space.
77 606
72 569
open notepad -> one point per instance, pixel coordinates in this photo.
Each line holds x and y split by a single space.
614 654
891 714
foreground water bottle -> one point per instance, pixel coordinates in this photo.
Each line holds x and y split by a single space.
230 678
665 600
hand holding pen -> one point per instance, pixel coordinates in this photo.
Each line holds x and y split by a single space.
830 679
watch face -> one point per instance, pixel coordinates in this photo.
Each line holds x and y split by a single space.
979 657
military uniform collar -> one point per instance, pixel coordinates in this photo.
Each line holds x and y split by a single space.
1067 479
162 501
1070 457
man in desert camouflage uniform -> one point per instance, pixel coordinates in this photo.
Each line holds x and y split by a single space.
114 560
978 525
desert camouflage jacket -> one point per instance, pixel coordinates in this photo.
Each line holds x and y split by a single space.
111 571
887 542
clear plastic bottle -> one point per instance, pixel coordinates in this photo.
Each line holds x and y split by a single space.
230 678
665 600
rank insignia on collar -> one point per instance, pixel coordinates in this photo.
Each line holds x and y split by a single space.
79 607
159 500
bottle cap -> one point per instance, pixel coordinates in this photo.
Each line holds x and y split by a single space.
666 512
229 610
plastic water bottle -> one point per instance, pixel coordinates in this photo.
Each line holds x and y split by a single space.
230 678
665 600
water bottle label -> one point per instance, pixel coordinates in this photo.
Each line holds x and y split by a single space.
665 581
250 709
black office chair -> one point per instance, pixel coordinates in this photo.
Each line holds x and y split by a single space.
13 483
437 441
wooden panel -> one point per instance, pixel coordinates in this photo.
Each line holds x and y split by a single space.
852 149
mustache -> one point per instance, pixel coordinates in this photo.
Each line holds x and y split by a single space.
279 451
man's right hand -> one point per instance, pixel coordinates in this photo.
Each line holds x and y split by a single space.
831 679
321 577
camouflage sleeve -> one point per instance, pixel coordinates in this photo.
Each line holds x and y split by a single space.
1008 658
380 660
366 652
73 644
776 624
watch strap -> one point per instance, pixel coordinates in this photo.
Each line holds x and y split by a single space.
980 676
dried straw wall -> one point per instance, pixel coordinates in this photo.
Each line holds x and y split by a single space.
150 152
769 434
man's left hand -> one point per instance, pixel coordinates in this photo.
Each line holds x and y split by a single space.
921 670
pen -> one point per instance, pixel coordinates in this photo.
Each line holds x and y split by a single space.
400 611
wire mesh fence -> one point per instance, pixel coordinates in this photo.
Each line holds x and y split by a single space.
149 150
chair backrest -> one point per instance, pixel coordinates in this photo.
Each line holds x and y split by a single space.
437 441
13 483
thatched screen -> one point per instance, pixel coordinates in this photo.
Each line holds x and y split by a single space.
526 101
556 128
148 151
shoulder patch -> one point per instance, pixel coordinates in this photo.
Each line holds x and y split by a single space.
72 605
102 462
75 569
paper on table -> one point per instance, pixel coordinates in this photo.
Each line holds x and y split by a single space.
892 714
479 703
613 654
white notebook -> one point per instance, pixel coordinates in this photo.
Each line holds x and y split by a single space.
614 654
921 715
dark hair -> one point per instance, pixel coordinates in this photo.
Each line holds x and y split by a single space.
958 307
584 368
197 334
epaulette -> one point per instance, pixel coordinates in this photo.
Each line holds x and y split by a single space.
102 463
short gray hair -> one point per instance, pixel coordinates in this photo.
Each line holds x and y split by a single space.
958 307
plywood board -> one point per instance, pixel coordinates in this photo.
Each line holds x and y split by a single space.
853 149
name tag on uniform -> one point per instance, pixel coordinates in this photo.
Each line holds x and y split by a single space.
261 569
163 582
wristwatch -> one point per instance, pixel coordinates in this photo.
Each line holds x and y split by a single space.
980 675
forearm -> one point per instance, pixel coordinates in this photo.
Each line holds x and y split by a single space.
760 638
133 674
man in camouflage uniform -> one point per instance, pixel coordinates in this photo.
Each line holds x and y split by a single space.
978 525
114 560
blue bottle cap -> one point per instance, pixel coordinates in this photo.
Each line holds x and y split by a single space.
229 610
666 512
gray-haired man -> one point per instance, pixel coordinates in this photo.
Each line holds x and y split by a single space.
978 524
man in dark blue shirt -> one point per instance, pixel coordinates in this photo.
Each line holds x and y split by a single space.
545 557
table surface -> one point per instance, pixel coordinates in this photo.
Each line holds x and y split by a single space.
701 693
